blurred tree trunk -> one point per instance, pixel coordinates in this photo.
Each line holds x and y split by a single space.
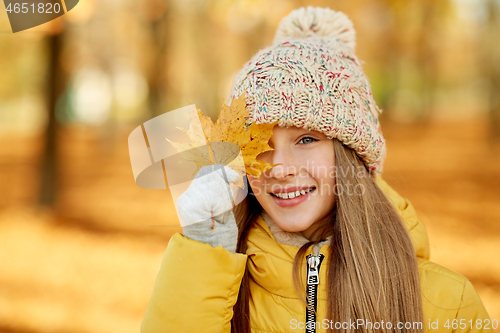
421 48
55 85
492 68
157 75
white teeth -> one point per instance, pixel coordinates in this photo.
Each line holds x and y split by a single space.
291 195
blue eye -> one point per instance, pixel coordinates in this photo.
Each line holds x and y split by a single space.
307 139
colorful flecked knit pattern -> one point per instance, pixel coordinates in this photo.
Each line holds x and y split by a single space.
310 78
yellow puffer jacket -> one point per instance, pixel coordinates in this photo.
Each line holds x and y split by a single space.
197 285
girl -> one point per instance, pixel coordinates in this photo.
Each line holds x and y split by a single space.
321 243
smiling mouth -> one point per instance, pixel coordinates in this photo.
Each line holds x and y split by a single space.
291 195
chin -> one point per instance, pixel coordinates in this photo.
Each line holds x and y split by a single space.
290 226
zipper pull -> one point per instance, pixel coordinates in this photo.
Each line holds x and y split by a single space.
312 270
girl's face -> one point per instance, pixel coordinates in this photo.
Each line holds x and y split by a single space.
299 193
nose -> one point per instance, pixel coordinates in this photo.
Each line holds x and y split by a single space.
287 167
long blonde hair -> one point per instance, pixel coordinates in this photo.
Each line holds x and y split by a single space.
372 269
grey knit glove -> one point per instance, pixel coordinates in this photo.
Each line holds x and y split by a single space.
210 195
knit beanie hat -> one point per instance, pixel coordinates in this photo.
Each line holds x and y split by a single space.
310 78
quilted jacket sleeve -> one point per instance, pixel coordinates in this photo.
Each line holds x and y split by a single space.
196 288
472 316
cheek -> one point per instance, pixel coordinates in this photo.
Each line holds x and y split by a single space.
321 168
256 185
265 157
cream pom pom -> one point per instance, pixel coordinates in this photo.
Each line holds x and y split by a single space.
317 22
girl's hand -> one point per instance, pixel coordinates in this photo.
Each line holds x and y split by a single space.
205 209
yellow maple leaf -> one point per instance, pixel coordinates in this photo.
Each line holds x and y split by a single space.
227 137
252 140
195 150
206 124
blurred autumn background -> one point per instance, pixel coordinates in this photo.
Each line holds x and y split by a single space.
81 244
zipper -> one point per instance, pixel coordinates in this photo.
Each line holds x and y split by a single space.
313 264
